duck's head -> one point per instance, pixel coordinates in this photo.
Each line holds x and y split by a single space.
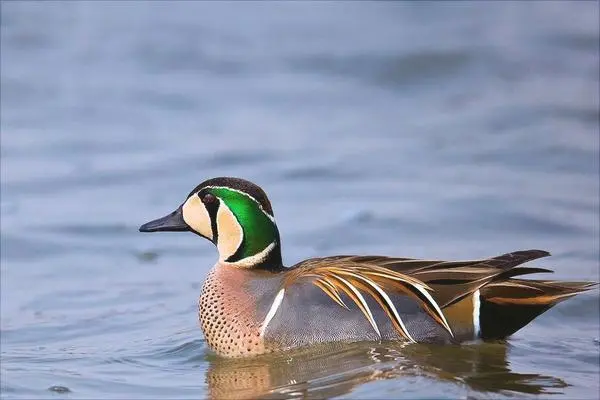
235 215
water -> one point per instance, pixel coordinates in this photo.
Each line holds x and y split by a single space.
427 130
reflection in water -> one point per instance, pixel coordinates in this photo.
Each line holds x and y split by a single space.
328 371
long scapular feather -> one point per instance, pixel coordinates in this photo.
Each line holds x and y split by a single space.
376 282
417 290
411 286
532 292
385 302
358 298
331 291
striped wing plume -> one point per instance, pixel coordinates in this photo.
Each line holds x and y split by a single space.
355 279
451 281
436 285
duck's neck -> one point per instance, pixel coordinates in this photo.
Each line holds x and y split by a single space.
272 261
269 259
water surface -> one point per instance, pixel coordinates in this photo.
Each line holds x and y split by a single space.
433 130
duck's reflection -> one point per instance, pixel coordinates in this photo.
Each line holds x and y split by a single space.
330 371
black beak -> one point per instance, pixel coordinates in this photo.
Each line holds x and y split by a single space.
172 223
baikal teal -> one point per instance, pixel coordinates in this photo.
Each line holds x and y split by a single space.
251 304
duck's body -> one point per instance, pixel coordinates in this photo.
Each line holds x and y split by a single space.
235 304
251 304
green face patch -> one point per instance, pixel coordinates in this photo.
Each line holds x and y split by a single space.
258 229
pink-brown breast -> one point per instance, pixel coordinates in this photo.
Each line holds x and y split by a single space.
228 314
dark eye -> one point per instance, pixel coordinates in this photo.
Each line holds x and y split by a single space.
208 198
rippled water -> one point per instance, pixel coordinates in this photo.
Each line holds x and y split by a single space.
456 130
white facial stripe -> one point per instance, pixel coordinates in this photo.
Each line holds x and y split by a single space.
272 311
252 260
196 216
248 196
476 309
231 234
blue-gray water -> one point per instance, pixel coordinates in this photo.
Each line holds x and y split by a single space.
450 131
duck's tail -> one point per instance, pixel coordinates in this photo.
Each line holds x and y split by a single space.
507 306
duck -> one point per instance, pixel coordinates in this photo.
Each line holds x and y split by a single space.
251 304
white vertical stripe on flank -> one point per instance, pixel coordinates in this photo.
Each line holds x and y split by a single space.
476 309
272 311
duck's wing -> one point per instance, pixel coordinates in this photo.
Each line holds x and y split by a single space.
434 284
354 278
